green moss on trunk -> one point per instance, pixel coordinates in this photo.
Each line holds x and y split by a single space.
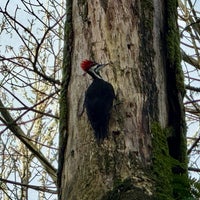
168 185
161 163
173 44
176 91
63 135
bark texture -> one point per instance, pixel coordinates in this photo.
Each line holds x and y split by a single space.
131 34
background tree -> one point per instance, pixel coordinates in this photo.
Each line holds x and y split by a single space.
30 61
190 43
145 155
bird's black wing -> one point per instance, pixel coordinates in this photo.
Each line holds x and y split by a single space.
98 101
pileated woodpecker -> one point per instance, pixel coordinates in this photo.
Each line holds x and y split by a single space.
98 99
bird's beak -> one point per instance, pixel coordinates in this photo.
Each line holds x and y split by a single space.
103 65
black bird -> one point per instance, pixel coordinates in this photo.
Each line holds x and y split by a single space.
98 99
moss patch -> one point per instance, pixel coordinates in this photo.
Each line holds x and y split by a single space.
63 135
173 44
161 163
169 184
176 91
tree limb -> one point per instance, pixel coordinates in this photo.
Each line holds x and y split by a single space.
193 146
190 60
18 132
195 89
193 169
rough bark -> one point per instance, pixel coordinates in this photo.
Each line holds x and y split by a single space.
134 35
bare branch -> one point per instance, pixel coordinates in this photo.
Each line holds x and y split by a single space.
190 60
195 89
193 169
18 132
193 145
34 187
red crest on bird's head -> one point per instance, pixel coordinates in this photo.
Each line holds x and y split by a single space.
86 64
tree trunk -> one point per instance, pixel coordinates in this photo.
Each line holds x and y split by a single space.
144 156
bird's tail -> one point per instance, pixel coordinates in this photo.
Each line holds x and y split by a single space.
101 134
